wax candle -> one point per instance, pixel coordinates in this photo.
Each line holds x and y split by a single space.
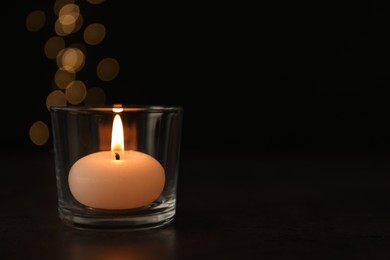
116 179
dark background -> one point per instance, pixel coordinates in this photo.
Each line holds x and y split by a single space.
281 77
285 135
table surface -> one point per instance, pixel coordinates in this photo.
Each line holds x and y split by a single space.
230 206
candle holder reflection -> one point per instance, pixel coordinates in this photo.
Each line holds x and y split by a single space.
116 170
160 244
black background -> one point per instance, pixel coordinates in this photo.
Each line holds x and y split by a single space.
259 85
274 77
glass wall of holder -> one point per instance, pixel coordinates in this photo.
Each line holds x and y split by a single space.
116 167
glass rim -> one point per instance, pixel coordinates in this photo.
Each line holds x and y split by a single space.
118 108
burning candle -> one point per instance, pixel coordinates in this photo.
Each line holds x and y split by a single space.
116 179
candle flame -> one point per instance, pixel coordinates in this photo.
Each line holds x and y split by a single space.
117 137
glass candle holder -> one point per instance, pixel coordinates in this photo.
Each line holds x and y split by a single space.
116 167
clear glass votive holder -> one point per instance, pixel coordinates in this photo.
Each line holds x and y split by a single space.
116 166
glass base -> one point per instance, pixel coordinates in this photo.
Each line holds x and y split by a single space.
117 220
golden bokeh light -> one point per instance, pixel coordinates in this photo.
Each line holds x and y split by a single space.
107 69
76 92
35 20
95 97
59 4
39 133
71 60
53 46
95 2
69 20
63 29
55 98
62 78
69 14
94 33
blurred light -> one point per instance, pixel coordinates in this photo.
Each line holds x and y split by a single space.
62 78
69 20
59 4
95 2
71 59
67 17
35 20
55 98
68 11
39 133
107 69
117 108
53 46
76 92
94 33
63 29
95 96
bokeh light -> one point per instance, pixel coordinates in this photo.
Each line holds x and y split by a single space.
69 20
63 29
58 4
62 78
39 133
71 60
94 33
69 13
53 46
55 98
95 97
107 69
35 20
76 92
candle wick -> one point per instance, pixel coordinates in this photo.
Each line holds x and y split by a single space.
117 157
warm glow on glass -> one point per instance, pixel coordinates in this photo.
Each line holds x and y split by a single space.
117 108
76 92
55 98
71 60
62 78
94 33
35 20
53 46
95 96
107 69
39 133
95 2
117 136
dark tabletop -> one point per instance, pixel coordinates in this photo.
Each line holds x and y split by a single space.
230 206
